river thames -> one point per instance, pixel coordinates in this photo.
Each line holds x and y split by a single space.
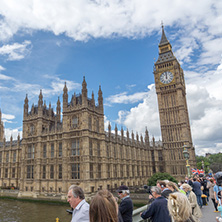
19 211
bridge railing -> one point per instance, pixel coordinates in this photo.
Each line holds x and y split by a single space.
137 212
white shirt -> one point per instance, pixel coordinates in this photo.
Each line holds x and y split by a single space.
81 212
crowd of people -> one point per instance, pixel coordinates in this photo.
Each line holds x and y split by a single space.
169 202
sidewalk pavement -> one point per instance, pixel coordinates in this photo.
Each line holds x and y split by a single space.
208 213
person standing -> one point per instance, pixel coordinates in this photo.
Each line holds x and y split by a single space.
218 186
210 186
77 201
197 191
196 212
157 211
103 207
126 205
179 208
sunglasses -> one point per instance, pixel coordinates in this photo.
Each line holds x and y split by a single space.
120 191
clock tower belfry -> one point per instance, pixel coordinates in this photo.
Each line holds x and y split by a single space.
174 119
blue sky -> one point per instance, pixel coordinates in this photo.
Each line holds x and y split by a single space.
113 44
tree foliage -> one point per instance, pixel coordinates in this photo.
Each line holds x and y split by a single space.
213 162
160 176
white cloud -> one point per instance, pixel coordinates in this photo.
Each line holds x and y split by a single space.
199 21
2 68
8 116
16 51
4 77
204 106
124 98
13 132
143 115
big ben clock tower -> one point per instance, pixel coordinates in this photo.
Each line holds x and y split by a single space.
174 119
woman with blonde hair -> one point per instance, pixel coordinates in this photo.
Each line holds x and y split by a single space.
196 212
173 187
103 207
179 208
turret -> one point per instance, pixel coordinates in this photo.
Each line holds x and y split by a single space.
40 102
122 133
84 92
93 100
116 132
26 106
100 99
65 97
58 110
147 140
109 129
127 135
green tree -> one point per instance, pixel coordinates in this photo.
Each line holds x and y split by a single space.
160 176
213 162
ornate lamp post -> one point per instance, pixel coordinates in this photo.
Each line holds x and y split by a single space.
186 156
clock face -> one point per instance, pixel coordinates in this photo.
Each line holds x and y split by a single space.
166 77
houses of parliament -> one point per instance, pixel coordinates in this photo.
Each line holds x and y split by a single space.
56 152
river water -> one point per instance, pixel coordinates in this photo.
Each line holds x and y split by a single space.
19 211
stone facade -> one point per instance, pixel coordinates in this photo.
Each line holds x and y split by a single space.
56 152
174 119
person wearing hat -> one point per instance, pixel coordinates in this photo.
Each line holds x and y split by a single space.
126 205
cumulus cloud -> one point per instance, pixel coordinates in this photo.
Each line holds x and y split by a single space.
13 132
16 51
198 21
125 98
7 116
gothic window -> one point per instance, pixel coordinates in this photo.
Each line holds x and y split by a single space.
133 170
75 147
90 148
44 151
0 172
97 125
31 151
108 171
115 171
127 171
107 151
90 123
32 128
121 172
75 174
160 156
138 171
60 149
7 157
99 171
98 149
51 172
6 172
43 172
13 172
114 151
91 171
52 150
0 157
74 121
14 156
60 171
30 172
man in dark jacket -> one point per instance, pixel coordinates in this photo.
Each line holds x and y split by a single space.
197 191
157 211
126 205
